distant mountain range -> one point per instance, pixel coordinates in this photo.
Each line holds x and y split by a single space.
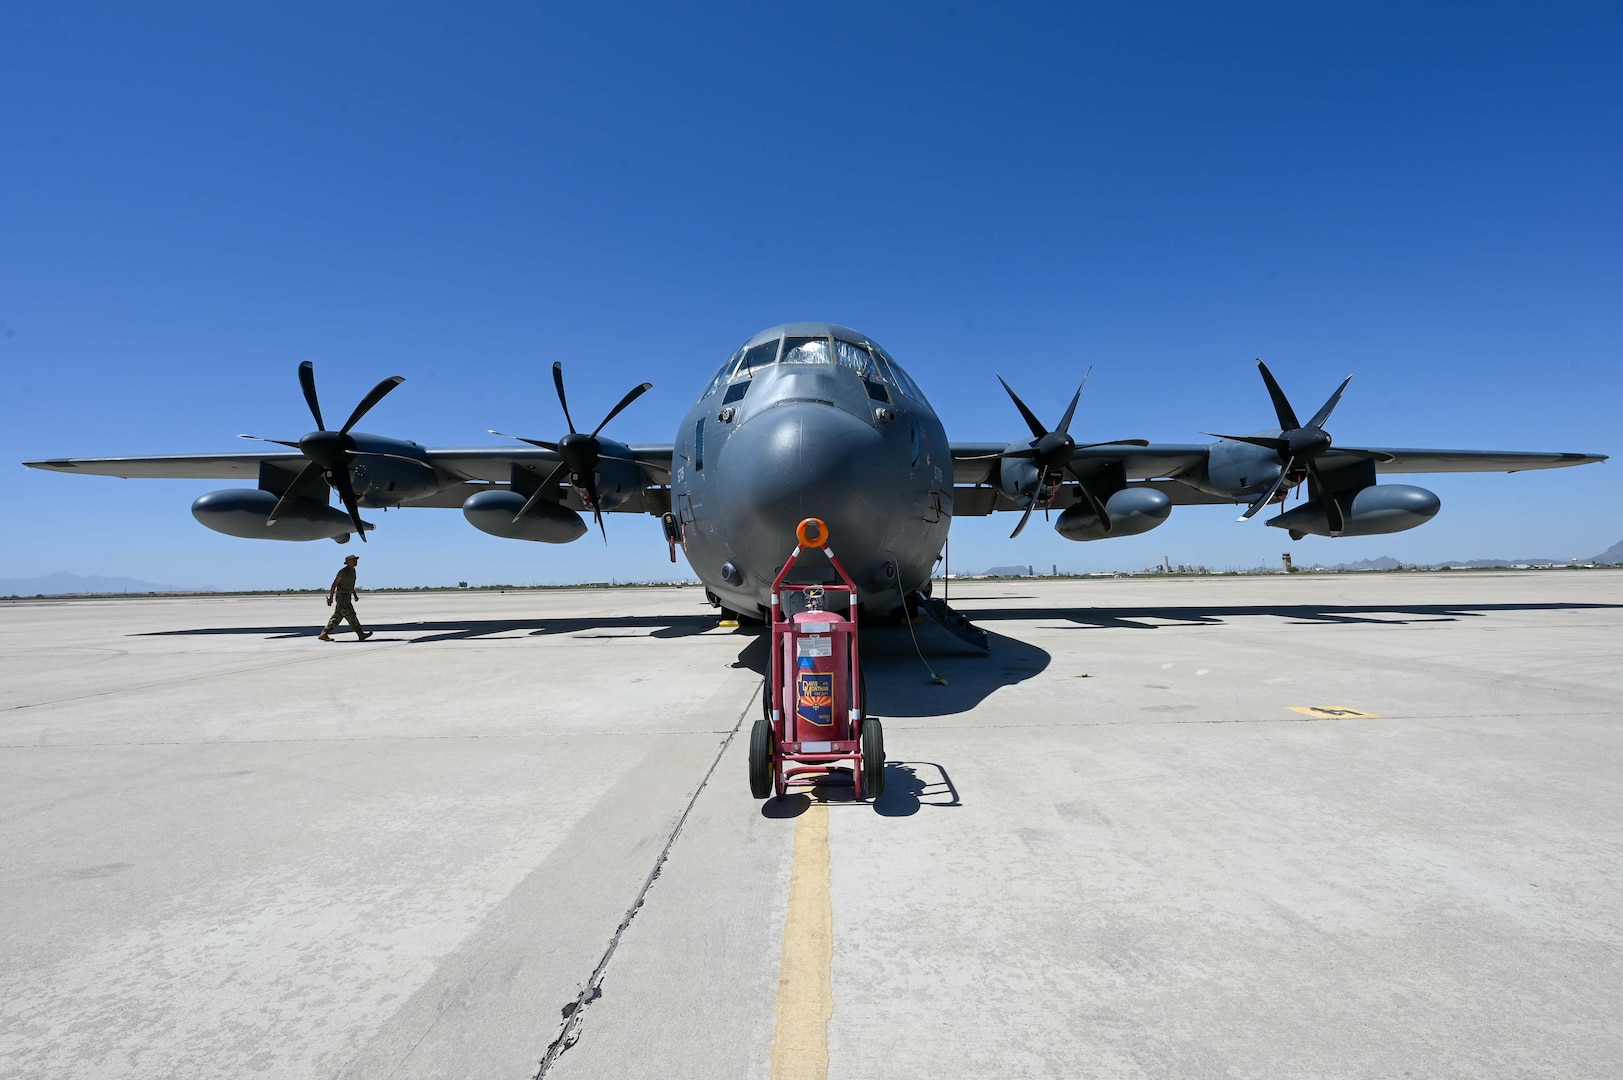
1613 554
66 584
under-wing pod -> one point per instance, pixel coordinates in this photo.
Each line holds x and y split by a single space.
1132 510
497 513
243 512
1369 511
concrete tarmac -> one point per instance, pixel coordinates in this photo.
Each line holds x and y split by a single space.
512 835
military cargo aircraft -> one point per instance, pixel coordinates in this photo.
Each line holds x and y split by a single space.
811 420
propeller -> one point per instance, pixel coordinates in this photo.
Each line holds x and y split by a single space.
1053 449
579 453
1298 446
330 453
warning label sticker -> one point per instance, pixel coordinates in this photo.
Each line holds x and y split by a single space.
814 646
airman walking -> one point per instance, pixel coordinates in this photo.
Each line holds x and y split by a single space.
343 592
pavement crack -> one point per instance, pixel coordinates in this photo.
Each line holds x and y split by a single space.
574 1012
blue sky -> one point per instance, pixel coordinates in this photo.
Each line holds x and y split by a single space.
194 198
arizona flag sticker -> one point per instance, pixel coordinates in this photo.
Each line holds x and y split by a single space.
814 694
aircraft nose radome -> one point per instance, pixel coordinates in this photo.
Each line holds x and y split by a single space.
797 461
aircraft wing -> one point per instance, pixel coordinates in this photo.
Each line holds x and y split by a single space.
1159 465
976 463
463 470
237 466
1395 460
495 463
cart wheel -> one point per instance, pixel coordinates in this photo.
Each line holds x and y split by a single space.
873 759
761 759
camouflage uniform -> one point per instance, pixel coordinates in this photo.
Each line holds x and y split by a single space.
343 593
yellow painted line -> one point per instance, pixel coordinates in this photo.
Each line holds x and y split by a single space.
805 971
1334 712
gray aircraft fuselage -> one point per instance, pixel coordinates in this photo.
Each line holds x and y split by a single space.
811 420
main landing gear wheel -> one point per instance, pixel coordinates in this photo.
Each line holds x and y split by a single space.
873 759
761 759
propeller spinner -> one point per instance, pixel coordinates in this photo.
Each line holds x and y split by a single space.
330 452
1298 446
579 453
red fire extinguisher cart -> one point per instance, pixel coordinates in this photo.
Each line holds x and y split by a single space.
814 732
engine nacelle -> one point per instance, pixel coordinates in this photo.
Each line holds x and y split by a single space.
1017 477
547 522
243 512
1370 511
1132 510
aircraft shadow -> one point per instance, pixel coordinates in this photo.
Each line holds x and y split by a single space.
416 633
1137 618
900 684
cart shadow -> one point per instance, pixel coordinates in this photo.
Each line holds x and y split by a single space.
909 786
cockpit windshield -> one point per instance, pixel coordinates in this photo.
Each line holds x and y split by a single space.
870 362
856 357
763 355
805 350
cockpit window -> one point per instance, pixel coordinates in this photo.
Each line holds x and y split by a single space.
805 350
856 358
722 373
762 355
901 378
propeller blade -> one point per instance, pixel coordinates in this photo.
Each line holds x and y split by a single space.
549 484
386 454
1065 421
1112 442
1037 429
1282 407
379 392
589 482
634 461
307 474
542 443
307 380
278 442
1269 442
627 400
1025 517
1098 507
1324 414
1268 496
1031 452
1332 508
346 495
558 381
